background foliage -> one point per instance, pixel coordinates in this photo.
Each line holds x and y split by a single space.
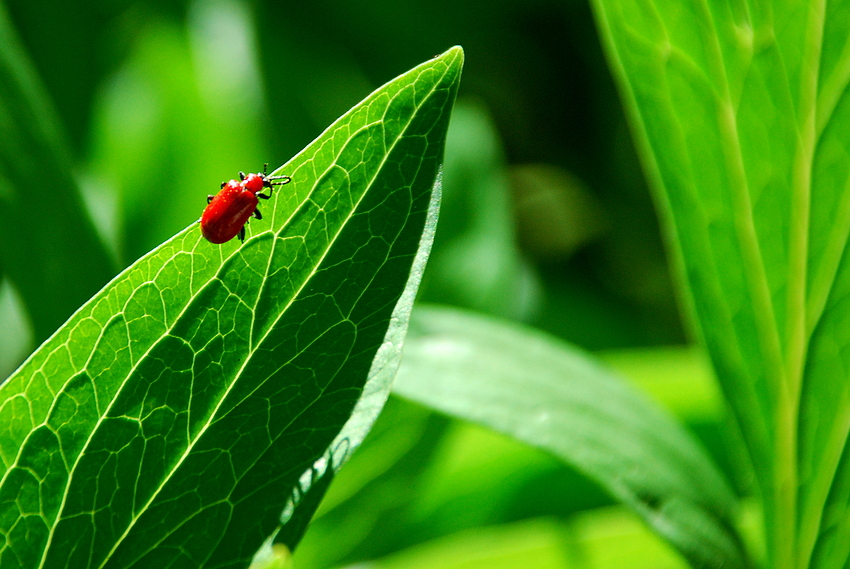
546 221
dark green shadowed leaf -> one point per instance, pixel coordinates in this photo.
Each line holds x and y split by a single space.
741 112
48 245
172 420
551 396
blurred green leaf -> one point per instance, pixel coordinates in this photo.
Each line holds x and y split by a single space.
545 393
606 538
611 538
681 379
72 45
476 262
17 332
180 416
480 477
48 245
534 544
678 377
742 113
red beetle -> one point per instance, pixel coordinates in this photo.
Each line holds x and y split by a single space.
229 211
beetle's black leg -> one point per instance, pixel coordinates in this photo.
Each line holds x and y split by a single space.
210 198
257 214
241 175
271 181
223 184
265 169
264 196
242 234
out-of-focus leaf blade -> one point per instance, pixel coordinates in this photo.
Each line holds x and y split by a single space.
48 245
173 419
476 262
17 332
603 538
742 115
541 391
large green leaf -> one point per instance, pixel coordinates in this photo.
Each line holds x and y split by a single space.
541 391
48 245
175 418
741 111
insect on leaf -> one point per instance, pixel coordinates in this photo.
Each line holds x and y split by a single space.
172 419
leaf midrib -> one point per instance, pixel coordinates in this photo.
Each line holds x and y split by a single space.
784 482
823 108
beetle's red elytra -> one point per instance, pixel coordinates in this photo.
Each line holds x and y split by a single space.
228 211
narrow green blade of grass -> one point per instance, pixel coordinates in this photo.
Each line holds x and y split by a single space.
541 391
173 419
742 115
48 245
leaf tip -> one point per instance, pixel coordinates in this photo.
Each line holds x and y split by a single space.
453 56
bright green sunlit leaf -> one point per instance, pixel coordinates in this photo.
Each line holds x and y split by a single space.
178 415
743 117
541 391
